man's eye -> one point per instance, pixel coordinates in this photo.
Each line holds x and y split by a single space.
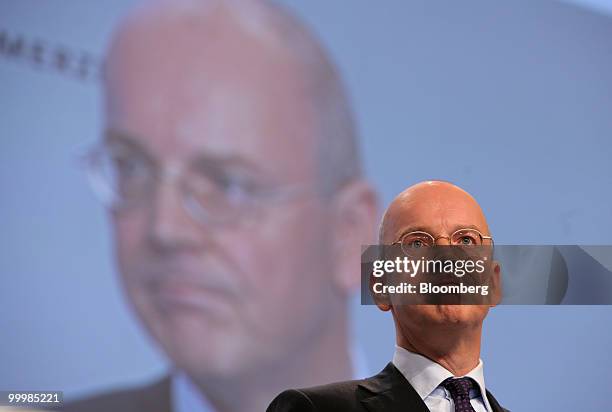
130 167
416 244
235 188
466 240
228 183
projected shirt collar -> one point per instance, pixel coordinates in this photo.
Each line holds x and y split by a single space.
187 398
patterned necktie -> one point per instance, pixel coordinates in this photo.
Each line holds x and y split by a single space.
460 392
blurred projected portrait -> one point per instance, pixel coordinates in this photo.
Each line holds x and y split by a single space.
231 173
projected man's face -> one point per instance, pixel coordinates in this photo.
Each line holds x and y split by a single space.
219 282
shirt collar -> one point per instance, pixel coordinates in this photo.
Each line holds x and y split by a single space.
185 395
426 375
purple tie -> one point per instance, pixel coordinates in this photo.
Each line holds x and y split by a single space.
460 392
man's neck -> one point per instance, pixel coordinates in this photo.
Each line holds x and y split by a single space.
322 360
458 351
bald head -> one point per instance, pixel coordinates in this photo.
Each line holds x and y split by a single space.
439 208
229 55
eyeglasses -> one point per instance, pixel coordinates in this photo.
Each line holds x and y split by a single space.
412 241
125 178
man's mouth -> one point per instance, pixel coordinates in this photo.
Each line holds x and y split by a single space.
176 294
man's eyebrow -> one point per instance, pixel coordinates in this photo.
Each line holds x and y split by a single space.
124 139
227 160
474 227
213 160
411 229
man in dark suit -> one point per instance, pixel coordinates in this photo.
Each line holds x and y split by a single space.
437 364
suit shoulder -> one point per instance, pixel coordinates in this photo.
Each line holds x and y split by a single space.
293 400
151 397
337 390
333 396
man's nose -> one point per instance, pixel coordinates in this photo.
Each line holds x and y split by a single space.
170 226
443 241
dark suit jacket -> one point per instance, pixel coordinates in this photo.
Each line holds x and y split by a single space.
389 391
151 398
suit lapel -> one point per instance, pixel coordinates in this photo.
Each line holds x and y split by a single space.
390 391
494 404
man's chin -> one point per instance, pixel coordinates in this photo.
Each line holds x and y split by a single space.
459 314
188 335
447 315
205 351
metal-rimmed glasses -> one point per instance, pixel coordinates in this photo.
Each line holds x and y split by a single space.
123 177
410 242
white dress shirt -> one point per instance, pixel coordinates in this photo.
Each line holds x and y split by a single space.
186 397
425 376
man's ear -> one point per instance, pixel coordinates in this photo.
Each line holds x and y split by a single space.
382 300
355 212
496 283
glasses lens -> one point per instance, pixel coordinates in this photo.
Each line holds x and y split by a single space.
412 242
119 177
214 194
467 237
